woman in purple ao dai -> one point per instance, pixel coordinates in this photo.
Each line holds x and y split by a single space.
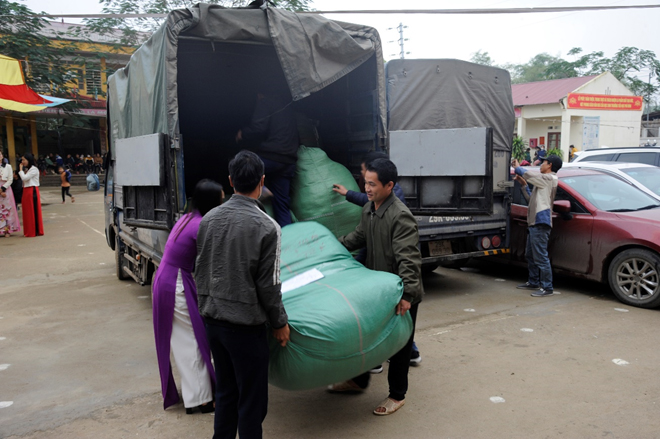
177 323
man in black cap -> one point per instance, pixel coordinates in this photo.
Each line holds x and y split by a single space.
539 222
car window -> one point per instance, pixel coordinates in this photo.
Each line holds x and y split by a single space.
637 157
649 177
576 207
599 158
609 193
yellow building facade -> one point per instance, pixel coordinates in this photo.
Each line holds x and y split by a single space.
52 130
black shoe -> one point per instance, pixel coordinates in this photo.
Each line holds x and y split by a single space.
204 408
542 293
527 286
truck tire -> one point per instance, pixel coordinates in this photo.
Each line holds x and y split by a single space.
634 277
119 260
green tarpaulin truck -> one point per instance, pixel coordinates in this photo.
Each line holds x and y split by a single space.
175 108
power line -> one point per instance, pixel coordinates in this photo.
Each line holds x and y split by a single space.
530 10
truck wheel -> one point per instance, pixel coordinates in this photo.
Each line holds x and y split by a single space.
634 277
119 260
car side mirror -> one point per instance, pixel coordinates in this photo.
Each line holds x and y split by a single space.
563 208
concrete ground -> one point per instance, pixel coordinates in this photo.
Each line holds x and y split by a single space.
77 357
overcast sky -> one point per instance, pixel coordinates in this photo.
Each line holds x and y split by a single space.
508 38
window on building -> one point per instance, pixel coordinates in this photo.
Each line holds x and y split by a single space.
554 140
78 80
93 82
75 78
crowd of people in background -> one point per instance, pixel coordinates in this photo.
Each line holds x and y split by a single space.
75 163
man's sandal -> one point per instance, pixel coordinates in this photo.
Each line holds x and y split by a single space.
390 407
345 387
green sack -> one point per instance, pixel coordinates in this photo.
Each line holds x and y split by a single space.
343 324
312 197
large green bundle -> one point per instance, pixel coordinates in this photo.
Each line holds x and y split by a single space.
312 197
342 324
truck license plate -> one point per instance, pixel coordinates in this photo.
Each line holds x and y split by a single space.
439 248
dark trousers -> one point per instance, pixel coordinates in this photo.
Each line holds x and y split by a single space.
65 191
397 373
278 181
240 354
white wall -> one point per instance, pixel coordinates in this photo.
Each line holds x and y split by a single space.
605 84
541 111
576 132
538 118
539 128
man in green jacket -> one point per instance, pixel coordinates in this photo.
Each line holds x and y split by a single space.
389 231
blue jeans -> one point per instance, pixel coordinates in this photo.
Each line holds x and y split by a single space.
278 181
538 261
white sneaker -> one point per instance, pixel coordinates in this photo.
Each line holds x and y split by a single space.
415 360
377 369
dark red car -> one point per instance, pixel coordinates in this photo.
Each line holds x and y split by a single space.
604 229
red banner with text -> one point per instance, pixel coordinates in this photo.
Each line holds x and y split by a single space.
604 102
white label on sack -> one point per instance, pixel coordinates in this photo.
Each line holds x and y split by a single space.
301 280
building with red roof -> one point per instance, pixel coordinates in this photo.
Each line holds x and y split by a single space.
587 112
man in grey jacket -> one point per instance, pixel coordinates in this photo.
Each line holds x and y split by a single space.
389 231
238 287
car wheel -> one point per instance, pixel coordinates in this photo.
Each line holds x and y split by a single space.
120 262
634 277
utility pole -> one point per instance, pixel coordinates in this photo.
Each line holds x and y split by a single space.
400 28
648 103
